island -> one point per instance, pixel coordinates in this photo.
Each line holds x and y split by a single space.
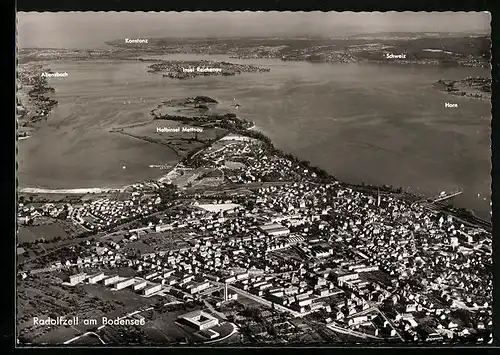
190 69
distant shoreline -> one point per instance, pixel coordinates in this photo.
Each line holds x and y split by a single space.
459 49
87 190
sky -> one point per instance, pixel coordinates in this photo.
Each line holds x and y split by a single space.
93 29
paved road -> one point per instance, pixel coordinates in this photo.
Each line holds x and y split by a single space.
233 331
84 335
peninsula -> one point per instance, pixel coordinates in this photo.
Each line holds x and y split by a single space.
479 88
32 98
197 111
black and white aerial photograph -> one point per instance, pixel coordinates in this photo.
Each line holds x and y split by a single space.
253 179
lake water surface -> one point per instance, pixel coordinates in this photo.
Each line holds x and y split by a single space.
378 124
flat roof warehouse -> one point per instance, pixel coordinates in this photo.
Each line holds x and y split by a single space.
274 229
212 207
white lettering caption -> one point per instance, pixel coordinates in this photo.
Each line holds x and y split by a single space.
202 70
63 321
395 56
178 129
55 75
137 40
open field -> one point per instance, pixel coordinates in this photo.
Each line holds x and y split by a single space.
233 339
152 241
184 178
89 339
58 336
180 143
44 296
59 228
138 246
127 298
249 303
123 335
163 326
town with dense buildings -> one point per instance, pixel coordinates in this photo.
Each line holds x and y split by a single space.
240 243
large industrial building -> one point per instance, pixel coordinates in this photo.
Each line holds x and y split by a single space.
274 229
199 320
139 285
151 289
96 278
218 207
125 283
111 280
342 278
76 279
198 287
